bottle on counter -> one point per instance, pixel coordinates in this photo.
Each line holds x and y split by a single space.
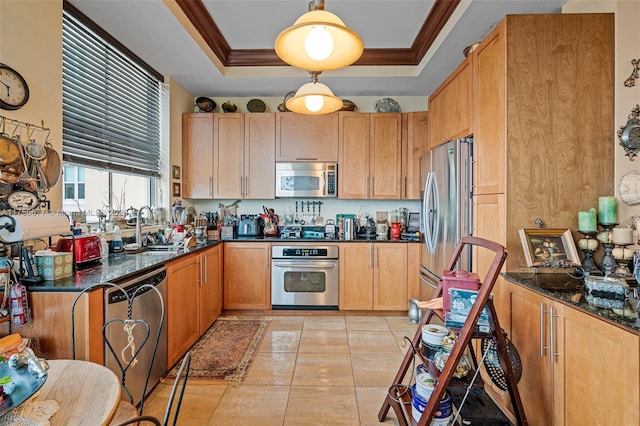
341 228
116 243
104 247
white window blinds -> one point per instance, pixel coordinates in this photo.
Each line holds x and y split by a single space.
111 104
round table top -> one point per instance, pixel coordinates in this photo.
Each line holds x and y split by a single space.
87 393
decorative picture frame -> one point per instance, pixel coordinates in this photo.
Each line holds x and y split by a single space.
175 172
176 189
548 247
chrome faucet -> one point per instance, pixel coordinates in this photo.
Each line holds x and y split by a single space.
139 226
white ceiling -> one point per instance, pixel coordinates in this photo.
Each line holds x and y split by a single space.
153 31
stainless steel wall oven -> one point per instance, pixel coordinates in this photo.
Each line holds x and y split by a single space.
304 277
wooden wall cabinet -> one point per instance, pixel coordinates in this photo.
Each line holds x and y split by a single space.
450 106
197 155
247 275
531 140
373 276
370 161
306 137
565 367
415 143
259 156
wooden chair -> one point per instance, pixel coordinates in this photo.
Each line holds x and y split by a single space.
140 340
175 398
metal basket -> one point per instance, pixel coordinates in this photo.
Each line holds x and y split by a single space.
492 363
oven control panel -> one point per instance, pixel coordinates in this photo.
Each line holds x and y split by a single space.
306 251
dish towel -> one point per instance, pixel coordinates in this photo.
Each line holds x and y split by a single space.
31 413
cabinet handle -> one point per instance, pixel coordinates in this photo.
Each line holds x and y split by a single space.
246 186
204 269
371 261
366 183
377 258
552 334
200 274
403 190
373 186
542 346
210 186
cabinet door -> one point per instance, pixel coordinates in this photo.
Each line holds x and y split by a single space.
228 145
489 139
183 287
415 143
536 385
450 112
306 137
353 167
385 160
596 378
197 155
356 276
247 276
259 155
390 283
210 287
413 270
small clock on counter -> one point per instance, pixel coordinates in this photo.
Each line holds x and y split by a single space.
14 91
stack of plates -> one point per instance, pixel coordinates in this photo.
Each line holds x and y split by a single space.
629 190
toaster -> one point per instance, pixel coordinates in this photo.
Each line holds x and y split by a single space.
87 247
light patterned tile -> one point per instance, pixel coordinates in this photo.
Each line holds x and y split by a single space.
198 403
280 341
401 324
251 405
319 406
372 342
375 369
271 368
325 341
323 370
286 323
366 323
324 323
370 400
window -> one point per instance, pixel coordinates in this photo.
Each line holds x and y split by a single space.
110 120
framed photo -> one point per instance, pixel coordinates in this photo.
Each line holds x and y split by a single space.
176 189
175 172
542 246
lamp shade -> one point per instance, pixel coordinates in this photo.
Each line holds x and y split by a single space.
319 41
314 99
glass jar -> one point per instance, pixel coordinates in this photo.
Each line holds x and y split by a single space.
440 360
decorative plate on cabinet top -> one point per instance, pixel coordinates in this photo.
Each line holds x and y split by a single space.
386 105
256 105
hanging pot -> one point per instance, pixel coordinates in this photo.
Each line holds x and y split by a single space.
51 166
9 150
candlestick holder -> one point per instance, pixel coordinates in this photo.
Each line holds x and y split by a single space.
588 245
623 257
608 263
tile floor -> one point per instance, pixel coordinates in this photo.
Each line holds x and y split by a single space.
309 370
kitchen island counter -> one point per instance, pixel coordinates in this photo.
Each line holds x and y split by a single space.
570 291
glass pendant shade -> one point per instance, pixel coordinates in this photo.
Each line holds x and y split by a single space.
314 99
319 41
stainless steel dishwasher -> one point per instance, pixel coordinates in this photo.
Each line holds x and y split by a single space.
147 306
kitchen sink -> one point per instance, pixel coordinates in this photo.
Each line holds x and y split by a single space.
162 247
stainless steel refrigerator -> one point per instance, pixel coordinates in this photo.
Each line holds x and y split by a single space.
446 206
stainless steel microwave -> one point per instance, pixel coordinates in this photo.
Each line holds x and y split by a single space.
306 179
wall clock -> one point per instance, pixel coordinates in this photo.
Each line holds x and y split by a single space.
629 134
14 91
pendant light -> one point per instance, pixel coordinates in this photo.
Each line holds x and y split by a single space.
319 41
314 98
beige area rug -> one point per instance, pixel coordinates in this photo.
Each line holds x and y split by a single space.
226 350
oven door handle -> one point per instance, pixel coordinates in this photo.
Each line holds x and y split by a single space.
306 265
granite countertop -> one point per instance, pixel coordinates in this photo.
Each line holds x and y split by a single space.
117 268
570 290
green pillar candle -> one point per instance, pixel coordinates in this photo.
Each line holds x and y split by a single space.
587 221
607 210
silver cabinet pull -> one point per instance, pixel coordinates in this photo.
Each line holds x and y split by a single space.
210 186
371 256
552 334
200 271
204 268
542 347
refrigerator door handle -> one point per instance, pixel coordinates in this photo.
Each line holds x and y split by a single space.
431 214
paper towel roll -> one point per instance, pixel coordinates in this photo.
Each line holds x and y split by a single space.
28 227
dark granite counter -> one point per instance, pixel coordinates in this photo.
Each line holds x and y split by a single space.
571 291
316 240
118 267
